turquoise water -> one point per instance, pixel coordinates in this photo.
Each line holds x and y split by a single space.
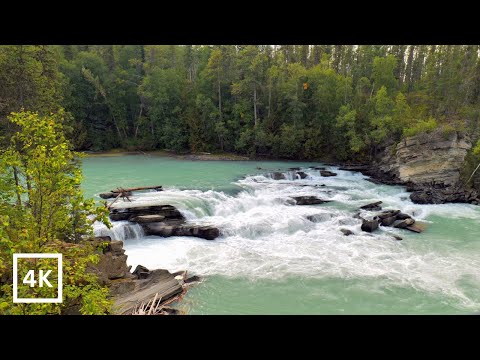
271 259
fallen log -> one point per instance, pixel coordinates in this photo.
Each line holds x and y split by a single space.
128 191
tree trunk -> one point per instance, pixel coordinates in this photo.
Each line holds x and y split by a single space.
219 94
15 175
255 103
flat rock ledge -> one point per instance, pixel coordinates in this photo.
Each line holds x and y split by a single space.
164 220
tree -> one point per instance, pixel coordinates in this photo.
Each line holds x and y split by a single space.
42 208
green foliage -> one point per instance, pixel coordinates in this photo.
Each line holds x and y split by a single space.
422 126
42 209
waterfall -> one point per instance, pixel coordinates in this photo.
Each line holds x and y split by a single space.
121 230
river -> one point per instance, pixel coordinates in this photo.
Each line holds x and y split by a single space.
271 259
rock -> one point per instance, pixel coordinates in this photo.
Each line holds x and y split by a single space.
327 173
166 229
147 218
401 224
301 174
369 225
294 168
402 216
388 213
278 176
308 200
372 207
116 247
168 211
347 232
355 167
317 168
429 165
417 227
396 237
121 286
192 279
141 272
112 266
160 282
388 221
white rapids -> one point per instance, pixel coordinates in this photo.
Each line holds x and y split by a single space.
265 236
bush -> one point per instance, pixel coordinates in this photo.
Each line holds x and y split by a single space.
423 126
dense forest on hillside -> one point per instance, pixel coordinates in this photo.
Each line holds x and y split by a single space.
289 101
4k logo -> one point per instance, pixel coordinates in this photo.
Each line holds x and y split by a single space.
39 278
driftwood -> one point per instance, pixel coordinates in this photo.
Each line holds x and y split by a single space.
127 192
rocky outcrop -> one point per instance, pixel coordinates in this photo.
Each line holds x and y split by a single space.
164 220
160 283
428 164
129 289
301 174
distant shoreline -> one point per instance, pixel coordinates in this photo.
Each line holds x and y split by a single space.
202 156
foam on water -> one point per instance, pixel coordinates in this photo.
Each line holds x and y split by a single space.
265 236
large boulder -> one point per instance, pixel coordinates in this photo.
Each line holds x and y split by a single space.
388 221
369 225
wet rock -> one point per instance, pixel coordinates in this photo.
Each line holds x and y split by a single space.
167 229
294 168
372 207
317 168
168 211
401 224
396 237
278 176
388 213
327 173
417 227
369 225
301 174
403 216
388 221
192 279
147 218
347 232
308 200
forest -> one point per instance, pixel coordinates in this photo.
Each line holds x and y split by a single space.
340 102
